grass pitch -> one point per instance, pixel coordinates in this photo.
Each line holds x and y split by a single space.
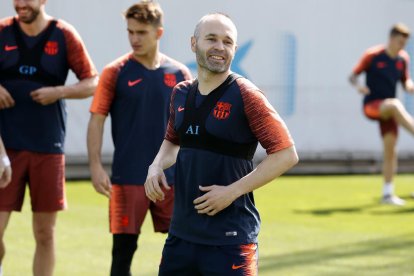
311 225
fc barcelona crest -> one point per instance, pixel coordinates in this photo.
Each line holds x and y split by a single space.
170 80
222 111
399 65
51 48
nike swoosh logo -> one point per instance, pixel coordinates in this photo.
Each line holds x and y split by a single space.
180 109
135 82
8 48
234 267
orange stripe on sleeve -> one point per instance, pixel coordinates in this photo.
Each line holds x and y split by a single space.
171 135
366 59
265 123
78 57
105 91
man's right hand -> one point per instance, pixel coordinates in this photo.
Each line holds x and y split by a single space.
364 90
6 100
101 181
155 178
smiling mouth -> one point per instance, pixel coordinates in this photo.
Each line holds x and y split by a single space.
216 58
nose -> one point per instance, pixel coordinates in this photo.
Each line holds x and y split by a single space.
219 45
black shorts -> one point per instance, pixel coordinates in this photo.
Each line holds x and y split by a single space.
180 257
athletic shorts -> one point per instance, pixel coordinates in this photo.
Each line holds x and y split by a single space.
129 205
45 175
180 257
372 111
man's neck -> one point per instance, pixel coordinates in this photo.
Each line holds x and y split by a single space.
37 26
151 60
208 81
391 51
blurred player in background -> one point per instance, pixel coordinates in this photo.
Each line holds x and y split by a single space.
36 53
384 67
215 124
135 90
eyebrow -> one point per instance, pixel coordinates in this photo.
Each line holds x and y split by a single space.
213 34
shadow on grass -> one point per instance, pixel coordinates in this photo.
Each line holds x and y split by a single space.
330 211
343 255
360 208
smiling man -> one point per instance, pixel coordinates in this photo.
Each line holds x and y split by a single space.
135 90
36 53
215 124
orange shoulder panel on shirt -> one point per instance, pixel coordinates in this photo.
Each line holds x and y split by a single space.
105 91
366 59
265 123
78 57
5 22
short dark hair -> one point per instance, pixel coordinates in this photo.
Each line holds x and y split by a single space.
147 12
400 29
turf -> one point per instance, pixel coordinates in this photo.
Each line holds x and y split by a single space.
311 225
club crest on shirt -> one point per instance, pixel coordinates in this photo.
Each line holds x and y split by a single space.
170 80
222 111
51 48
399 65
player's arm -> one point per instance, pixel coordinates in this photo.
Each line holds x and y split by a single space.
156 179
272 133
5 167
409 85
353 79
217 197
100 178
362 65
51 94
6 100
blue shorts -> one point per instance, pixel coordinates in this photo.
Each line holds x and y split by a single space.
180 257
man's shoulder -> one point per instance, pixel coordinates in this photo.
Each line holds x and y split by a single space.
169 61
5 22
246 85
375 50
118 62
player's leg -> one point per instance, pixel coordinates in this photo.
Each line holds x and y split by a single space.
127 209
123 249
393 108
179 257
47 195
389 131
44 233
4 219
11 197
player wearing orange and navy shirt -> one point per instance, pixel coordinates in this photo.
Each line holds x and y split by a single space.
385 66
28 63
382 75
137 100
36 53
218 135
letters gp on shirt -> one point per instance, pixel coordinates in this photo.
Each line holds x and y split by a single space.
27 70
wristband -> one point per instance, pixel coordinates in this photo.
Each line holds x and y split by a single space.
6 161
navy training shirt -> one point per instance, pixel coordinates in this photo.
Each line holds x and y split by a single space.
137 100
241 115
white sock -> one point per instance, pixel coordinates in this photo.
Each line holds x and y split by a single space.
388 189
1 271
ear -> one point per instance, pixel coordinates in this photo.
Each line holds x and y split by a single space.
160 32
193 44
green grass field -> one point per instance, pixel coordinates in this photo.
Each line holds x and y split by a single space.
311 225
